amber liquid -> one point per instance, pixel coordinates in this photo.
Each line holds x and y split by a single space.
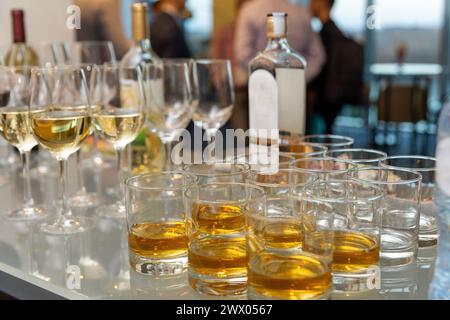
282 235
163 240
296 149
288 276
219 256
218 219
354 251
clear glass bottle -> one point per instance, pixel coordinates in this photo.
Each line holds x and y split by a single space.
147 151
20 54
277 84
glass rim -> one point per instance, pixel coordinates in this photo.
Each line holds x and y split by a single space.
59 67
167 62
305 170
345 140
168 174
420 169
307 191
231 174
206 186
89 42
418 176
383 155
267 184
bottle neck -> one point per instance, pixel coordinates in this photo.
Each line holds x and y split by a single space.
277 43
144 44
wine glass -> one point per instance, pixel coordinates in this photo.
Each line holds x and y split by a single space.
88 54
214 81
16 130
61 120
119 119
169 100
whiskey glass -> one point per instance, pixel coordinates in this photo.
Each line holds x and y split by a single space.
217 249
265 162
360 157
157 232
401 211
279 264
357 229
226 171
332 142
426 166
292 144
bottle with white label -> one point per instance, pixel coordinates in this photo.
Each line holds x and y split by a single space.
440 287
277 84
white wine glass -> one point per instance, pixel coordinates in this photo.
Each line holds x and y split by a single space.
89 54
119 120
214 82
169 100
15 128
61 120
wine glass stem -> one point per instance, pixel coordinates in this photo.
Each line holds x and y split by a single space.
65 212
80 172
28 197
121 173
168 149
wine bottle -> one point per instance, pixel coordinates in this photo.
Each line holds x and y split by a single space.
147 151
277 91
20 54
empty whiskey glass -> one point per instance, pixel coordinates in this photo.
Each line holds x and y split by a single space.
401 211
157 231
357 211
323 168
217 250
279 265
426 166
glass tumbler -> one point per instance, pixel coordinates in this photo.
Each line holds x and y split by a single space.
401 212
217 250
157 230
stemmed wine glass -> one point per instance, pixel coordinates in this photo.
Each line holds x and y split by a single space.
214 81
60 116
169 100
119 119
88 54
16 129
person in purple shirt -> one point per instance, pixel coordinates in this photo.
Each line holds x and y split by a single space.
251 37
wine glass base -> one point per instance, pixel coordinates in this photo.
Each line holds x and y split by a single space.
114 211
28 214
83 200
72 225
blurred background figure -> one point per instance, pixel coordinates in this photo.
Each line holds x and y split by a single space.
166 29
222 47
250 38
341 79
101 21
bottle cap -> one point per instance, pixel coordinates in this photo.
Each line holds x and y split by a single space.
277 25
140 21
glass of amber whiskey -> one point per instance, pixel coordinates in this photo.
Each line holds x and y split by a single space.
157 232
279 265
217 254
357 211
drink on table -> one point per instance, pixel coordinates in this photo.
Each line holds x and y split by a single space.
157 229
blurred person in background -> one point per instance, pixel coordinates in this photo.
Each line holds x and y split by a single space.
166 29
341 79
101 21
222 47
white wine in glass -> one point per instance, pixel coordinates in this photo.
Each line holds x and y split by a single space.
15 127
61 124
120 119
